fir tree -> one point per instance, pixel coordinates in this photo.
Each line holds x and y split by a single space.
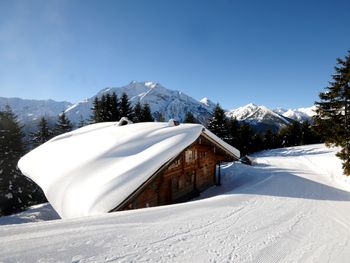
63 124
125 108
333 111
233 127
137 113
291 134
43 134
95 116
245 138
146 113
189 118
115 107
16 191
218 122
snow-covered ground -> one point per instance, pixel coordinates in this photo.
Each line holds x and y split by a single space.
35 213
291 206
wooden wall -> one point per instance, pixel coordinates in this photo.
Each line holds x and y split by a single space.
191 173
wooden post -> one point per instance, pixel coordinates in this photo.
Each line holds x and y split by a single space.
218 183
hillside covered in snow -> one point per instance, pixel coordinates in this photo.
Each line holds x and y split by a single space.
293 205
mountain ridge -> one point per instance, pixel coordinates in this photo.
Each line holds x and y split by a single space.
162 101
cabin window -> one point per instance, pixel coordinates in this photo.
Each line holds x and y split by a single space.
175 164
190 156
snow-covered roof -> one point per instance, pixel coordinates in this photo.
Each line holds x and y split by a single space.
93 169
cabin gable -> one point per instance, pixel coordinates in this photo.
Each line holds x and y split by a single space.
181 179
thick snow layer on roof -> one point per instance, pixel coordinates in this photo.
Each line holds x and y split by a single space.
93 169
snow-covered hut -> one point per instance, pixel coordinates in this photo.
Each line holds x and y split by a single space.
107 167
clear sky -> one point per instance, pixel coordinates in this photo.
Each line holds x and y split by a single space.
275 53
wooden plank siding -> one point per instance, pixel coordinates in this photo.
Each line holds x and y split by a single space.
192 172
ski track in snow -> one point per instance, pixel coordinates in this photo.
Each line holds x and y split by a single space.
286 208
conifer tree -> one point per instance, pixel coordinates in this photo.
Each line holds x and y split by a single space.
43 134
63 124
125 108
245 138
146 113
270 140
96 116
115 107
137 113
333 111
16 191
189 118
108 107
218 122
291 134
233 128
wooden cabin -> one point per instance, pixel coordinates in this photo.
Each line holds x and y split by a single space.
194 170
115 166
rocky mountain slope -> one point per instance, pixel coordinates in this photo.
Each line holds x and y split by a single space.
169 103
300 114
260 117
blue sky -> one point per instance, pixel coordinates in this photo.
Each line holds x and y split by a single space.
275 53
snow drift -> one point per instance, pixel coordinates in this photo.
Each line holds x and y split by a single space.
93 169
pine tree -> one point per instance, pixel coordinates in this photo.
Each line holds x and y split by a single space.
115 107
245 139
96 109
108 108
125 108
16 191
146 113
233 127
63 124
268 139
291 134
137 113
43 134
333 111
218 122
189 118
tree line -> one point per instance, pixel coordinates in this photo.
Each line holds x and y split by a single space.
242 136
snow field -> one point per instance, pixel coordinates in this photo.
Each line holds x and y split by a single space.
289 207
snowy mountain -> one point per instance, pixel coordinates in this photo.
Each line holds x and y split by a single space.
260 117
208 103
292 205
170 103
30 111
301 114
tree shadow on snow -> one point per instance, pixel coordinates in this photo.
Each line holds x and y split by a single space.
265 180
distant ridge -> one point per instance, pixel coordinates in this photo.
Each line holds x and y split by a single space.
170 103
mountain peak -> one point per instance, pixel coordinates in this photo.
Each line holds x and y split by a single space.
207 102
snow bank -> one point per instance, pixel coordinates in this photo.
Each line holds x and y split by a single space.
35 213
93 169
